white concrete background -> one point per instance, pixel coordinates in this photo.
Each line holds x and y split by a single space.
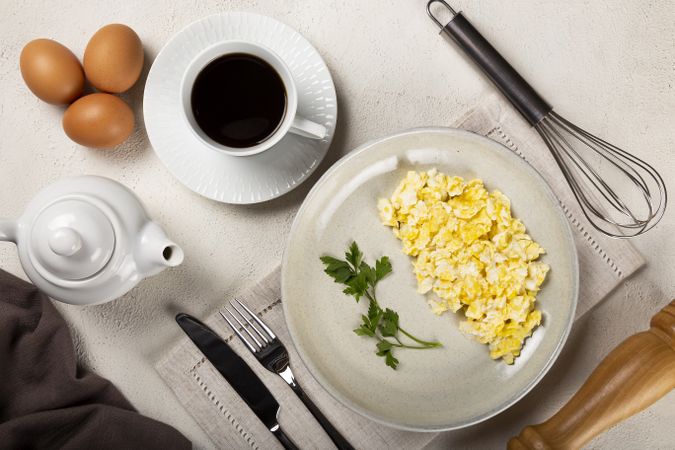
608 64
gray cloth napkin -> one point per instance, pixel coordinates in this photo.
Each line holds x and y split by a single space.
46 400
604 263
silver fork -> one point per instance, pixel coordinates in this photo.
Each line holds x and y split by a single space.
272 354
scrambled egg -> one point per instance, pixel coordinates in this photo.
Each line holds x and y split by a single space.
472 254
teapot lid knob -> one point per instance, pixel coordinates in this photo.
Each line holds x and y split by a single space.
65 241
72 239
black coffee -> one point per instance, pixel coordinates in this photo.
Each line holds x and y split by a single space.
238 100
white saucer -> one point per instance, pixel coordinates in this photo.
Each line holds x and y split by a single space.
236 179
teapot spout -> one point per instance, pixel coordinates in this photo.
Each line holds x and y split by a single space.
7 230
155 251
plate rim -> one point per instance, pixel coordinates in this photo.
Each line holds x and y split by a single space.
575 273
293 186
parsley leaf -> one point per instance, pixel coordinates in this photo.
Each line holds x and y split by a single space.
338 270
364 331
368 273
354 256
366 328
373 310
360 280
382 268
389 325
356 286
383 347
390 360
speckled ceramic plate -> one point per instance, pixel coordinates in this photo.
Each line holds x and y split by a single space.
233 179
441 389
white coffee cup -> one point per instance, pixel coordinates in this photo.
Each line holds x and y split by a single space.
291 122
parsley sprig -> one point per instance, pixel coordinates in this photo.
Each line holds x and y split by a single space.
360 280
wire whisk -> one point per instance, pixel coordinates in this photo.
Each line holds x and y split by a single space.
621 195
623 204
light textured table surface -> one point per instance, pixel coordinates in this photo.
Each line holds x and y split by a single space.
607 64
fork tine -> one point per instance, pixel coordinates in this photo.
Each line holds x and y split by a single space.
243 327
257 320
262 336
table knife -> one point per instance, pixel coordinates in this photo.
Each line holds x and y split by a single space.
240 376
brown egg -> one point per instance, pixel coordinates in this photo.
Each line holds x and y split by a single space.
98 121
113 59
51 71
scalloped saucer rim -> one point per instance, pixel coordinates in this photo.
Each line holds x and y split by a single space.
238 179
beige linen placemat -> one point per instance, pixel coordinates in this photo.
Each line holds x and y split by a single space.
604 263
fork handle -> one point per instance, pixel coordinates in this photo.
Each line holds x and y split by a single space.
339 440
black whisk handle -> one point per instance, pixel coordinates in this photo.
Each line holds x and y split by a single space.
519 92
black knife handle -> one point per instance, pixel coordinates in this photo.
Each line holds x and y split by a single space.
519 92
285 440
339 440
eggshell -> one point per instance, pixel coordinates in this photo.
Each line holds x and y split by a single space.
98 121
113 59
51 71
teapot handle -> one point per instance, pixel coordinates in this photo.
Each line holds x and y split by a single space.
7 230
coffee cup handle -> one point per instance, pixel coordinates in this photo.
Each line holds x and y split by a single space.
307 128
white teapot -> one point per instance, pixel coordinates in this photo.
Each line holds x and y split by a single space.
88 240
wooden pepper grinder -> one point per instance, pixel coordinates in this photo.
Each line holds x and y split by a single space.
633 376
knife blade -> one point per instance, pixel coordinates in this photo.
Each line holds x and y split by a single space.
237 373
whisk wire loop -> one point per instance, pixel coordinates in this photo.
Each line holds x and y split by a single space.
616 215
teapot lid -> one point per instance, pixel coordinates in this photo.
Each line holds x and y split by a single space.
71 239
